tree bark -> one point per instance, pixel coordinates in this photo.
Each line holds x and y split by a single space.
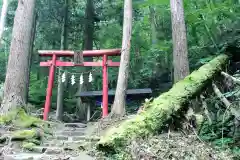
33 34
153 25
3 17
180 51
118 108
162 108
60 97
87 45
16 76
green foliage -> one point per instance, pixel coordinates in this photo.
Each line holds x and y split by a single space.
37 90
211 25
220 128
20 119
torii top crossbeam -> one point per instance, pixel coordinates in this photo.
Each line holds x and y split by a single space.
89 53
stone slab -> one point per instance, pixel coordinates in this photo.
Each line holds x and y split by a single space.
76 125
23 156
69 133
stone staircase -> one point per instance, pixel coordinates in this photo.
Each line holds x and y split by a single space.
69 142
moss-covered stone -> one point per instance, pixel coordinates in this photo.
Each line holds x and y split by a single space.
20 119
161 108
25 134
6 119
30 135
28 129
24 121
28 145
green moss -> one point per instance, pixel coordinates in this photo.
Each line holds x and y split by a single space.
162 107
20 119
35 141
25 134
6 119
28 145
24 121
28 129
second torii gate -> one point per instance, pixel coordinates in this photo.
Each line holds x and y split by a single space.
54 62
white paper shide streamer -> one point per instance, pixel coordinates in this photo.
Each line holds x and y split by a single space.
90 78
63 77
81 79
73 80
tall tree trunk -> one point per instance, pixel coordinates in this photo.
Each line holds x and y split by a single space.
87 45
16 76
33 33
60 97
118 108
153 25
89 26
180 51
3 17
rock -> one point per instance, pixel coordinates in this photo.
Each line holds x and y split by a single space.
86 138
56 143
76 125
23 156
83 156
70 133
61 137
92 138
53 150
76 138
74 129
39 149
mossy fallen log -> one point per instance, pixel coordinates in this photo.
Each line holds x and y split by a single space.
161 108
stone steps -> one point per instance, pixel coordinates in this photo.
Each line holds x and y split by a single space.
74 129
67 143
76 138
23 156
47 149
37 156
75 125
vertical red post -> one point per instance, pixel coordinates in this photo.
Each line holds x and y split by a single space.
49 87
105 87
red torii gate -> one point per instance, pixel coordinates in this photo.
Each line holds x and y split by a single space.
54 54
